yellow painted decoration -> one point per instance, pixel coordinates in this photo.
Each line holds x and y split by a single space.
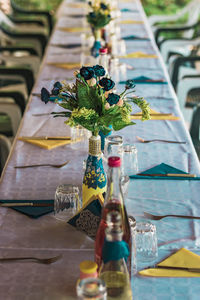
88 193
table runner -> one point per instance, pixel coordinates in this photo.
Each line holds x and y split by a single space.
20 234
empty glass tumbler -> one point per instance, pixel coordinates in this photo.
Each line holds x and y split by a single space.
67 201
129 160
145 241
91 288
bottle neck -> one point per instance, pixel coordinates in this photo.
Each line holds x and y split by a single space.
103 61
114 192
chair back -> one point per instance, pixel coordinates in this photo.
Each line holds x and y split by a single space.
13 111
5 146
195 129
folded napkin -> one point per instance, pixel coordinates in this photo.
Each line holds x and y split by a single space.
77 5
131 22
135 37
163 169
72 29
155 116
45 143
139 54
128 10
146 80
88 217
32 211
182 258
68 66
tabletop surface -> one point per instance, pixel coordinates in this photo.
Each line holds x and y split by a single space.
46 236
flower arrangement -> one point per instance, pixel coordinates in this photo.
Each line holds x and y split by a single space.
98 17
91 102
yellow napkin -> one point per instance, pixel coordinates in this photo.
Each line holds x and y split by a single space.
73 29
182 258
77 5
68 66
46 144
139 54
131 22
158 116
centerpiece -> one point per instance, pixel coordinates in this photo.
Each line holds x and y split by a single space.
98 17
91 103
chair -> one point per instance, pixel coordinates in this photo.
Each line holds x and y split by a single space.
39 13
154 19
16 75
187 30
188 94
195 129
5 146
20 56
10 117
11 35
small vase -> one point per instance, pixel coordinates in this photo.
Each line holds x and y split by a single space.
94 180
97 43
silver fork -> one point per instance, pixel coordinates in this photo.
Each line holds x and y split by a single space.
158 140
157 218
43 165
45 261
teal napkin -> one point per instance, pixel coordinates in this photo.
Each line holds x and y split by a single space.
163 169
128 10
135 37
32 211
146 80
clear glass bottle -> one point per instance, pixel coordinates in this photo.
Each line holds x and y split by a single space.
103 59
114 270
91 289
113 202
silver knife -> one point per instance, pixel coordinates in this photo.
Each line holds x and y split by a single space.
197 270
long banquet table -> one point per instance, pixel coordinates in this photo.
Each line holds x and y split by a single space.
46 236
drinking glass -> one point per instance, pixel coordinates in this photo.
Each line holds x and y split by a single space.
129 160
67 201
113 146
91 288
145 241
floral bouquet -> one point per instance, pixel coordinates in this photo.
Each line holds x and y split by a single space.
98 17
91 102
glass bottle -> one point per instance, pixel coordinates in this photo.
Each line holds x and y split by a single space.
91 289
103 59
94 180
115 251
113 202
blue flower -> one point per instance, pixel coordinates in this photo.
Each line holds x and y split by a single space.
113 98
129 84
107 83
92 15
56 88
99 70
103 6
45 95
87 72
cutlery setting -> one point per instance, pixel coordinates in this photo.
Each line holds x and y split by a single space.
44 165
159 140
45 261
45 137
157 217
